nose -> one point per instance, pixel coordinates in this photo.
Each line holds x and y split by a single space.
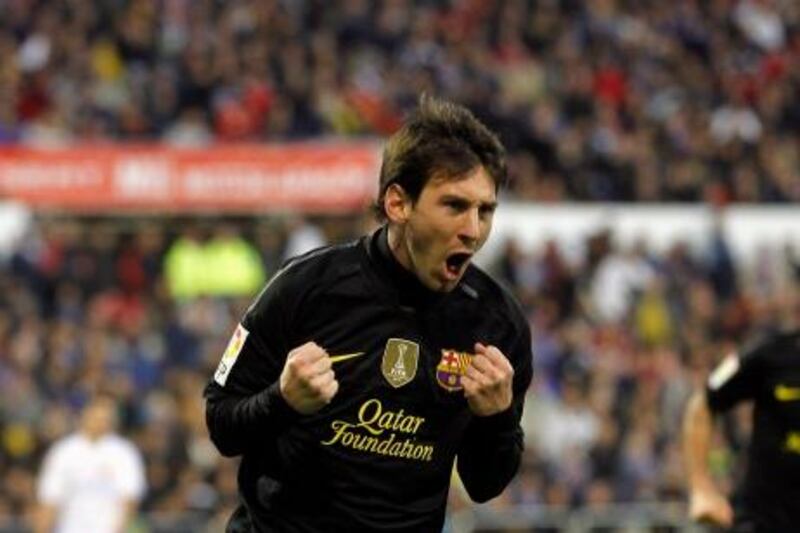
471 228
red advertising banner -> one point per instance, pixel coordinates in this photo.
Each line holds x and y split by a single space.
255 178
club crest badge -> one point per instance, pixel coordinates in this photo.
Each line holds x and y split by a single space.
400 361
451 367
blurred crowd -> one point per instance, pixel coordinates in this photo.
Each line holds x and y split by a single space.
620 338
118 307
602 100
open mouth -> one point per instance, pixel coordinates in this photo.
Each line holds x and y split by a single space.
454 264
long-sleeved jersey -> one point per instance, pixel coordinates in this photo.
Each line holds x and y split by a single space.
768 373
380 455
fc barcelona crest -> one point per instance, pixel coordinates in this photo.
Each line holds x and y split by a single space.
399 364
451 367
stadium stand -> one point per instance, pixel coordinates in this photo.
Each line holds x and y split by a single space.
607 101
88 302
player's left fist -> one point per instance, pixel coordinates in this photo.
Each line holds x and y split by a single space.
487 381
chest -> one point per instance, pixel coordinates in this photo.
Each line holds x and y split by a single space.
89 469
397 366
386 348
781 394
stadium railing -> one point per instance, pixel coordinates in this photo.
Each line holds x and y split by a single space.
629 518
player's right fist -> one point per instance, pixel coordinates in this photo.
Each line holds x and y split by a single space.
307 381
708 506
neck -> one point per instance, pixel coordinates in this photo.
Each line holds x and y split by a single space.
92 435
395 259
397 246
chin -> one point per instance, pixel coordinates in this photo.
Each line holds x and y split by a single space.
447 286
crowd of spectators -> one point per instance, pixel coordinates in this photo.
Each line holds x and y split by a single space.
96 305
122 308
620 340
608 100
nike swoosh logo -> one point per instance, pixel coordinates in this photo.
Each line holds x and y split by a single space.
345 356
787 394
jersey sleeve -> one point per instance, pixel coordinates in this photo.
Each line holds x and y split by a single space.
492 447
52 488
736 378
131 481
243 400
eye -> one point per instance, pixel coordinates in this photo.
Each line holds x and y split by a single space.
486 211
456 206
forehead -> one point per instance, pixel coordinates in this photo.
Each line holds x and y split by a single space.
476 185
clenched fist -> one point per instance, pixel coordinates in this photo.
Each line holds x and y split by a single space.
307 381
708 506
487 382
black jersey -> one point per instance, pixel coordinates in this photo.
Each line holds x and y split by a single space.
380 455
767 372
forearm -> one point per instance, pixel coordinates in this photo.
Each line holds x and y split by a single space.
127 516
697 432
490 455
234 422
44 519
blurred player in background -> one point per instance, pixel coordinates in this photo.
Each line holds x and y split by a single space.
91 480
766 372
362 371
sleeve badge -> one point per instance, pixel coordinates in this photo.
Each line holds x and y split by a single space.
231 354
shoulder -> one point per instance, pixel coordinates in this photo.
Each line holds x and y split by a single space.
494 297
66 445
320 259
319 265
118 445
776 344
304 273
67 450
505 318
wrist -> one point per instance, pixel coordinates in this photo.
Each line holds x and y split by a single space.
701 483
278 406
503 420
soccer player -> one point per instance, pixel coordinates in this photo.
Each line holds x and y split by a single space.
363 371
91 480
767 373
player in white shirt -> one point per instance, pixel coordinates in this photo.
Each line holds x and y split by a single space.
91 480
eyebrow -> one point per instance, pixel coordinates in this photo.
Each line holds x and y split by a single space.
456 198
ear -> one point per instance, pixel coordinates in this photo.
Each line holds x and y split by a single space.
397 204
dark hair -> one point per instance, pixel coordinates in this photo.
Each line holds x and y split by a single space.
441 139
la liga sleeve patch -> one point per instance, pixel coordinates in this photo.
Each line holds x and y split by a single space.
231 354
724 371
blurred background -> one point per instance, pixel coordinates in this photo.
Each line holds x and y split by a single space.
159 159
